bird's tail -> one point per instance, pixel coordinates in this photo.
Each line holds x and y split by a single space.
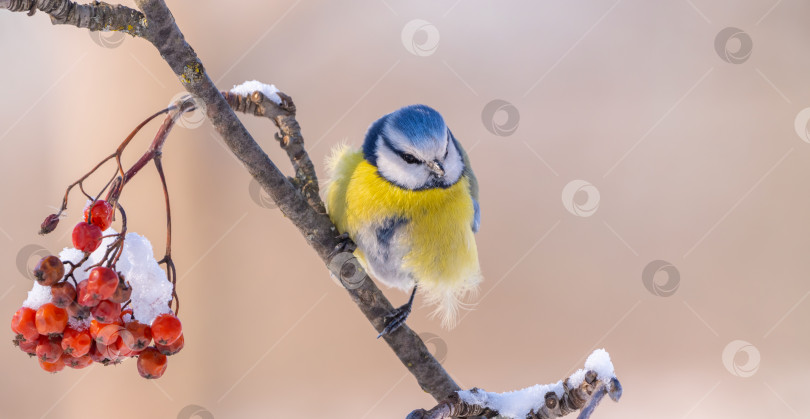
449 299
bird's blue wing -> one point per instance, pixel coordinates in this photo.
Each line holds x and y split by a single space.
476 224
468 172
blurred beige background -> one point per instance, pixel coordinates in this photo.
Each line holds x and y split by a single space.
693 151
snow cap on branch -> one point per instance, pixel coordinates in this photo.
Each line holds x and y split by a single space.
518 404
268 90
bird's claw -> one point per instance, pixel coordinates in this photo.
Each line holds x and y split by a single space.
397 316
395 319
345 244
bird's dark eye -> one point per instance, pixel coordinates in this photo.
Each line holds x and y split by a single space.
409 158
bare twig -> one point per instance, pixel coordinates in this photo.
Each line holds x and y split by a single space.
291 140
96 16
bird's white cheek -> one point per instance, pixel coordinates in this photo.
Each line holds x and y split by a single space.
397 171
453 165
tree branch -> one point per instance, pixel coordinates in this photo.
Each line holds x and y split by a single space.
97 16
316 227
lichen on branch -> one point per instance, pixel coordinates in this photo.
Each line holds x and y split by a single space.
96 16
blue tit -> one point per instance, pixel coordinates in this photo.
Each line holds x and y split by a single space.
409 200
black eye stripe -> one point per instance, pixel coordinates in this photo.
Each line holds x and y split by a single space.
408 158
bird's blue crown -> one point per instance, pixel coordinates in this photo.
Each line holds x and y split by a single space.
421 124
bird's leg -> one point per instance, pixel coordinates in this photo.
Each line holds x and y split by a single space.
345 244
397 317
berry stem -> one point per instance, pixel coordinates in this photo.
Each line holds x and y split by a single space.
122 235
171 271
116 155
117 246
175 111
73 267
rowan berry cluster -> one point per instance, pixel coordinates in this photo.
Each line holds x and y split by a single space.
90 304
84 323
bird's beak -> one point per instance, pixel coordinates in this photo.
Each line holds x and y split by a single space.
436 168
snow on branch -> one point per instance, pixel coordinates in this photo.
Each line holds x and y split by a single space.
96 16
583 390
